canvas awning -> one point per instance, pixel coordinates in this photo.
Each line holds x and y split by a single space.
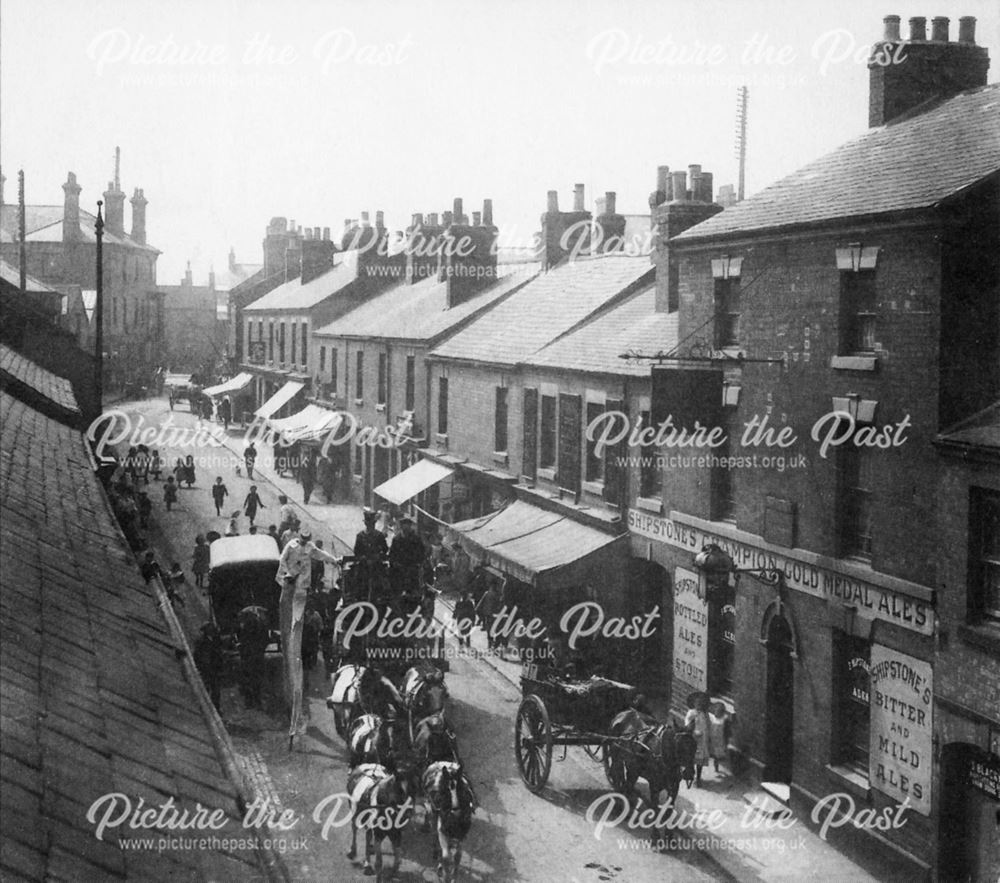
234 384
312 422
411 481
281 398
540 547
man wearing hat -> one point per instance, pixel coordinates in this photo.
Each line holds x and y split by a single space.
370 550
294 576
406 559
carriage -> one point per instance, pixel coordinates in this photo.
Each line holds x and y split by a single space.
241 574
565 712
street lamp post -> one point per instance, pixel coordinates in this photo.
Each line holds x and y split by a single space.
99 311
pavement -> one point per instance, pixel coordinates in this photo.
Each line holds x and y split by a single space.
725 818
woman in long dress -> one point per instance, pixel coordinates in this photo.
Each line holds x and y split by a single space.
696 721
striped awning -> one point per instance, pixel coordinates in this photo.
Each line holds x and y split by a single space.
281 398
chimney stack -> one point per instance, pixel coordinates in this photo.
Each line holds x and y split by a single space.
364 220
906 74
447 218
467 259
326 232
114 201
679 186
380 219
660 194
578 203
139 203
487 212
457 215
554 244
71 209
317 256
609 228
432 219
477 219
553 201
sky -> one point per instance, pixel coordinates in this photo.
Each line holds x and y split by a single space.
229 113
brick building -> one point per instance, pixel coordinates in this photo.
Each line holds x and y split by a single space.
61 247
194 334
830 328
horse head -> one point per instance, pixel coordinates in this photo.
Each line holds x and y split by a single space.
434 740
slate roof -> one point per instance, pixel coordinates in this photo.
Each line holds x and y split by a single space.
94 700
43 223
293 295
56 389
419 311
913 163
595 346
982 430
544 309
12 275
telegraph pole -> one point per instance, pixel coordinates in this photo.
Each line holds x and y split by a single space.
742 97
99 311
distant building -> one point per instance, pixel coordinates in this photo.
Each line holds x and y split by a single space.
194 334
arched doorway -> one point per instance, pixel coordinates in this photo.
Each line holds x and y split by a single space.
779 701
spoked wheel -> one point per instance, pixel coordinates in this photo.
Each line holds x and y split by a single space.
533 743
614 767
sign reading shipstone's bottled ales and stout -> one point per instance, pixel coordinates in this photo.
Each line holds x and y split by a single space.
901 727
690 630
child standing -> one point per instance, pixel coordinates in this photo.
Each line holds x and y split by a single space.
219 494
697 723
201 559
170 492
465 617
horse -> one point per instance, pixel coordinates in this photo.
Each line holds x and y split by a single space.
434 740
424 694
643 748
359 689
381 806
374 739
450 802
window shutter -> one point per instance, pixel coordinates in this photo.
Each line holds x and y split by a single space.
614 472
530 457
570 416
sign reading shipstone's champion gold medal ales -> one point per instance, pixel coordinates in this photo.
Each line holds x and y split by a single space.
690 630
901 727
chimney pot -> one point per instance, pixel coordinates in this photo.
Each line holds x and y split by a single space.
609 202
347 223
487 212
364 220
553 201
477 219
707 181
446 219
309 234
891 23
578 203
326 233
417 219
457 209
380 219
967 29
679 180
918 29
662 178
939 29
432 219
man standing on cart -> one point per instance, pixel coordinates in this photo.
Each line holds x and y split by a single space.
406 563
370 552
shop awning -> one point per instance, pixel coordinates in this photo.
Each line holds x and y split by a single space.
234 384
411 481
540 547
311 423
281 398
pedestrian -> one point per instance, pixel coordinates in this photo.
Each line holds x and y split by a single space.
253 636
250 458
201 560
169 492
487 611
290 533
226 412
180 473
718 733
142 464
406 560
149 568
234 528
145 506
286 514
697 723
207 653
175 579
170 398
252 530
130 464
219 494
459 568
189 470
272 532
155 465
318 571
308 473
465 617
252 503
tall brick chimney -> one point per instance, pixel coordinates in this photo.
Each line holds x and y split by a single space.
71 209
681 209
317 255
114 201
609 227
904 74
468 261
277 239
423 242
139 203
564 234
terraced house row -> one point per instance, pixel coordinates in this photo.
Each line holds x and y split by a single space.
829 566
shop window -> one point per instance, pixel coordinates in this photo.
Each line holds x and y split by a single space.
594 469
305 343
984 556
857 313
528 466
615 473
293 336
852 709
723 500
727 312
570 429
260 330
382 366
270 341
334 356
322 359
359 375
281 342
547 441
500 420
855 509
442 405
650 469
411 383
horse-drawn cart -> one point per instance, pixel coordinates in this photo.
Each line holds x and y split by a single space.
555 711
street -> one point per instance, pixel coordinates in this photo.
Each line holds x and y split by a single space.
515 835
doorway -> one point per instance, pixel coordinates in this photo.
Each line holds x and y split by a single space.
779 702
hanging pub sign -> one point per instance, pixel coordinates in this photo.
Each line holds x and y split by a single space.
690 630
901 690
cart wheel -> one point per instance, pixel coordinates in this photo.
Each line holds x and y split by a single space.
614 768
533 743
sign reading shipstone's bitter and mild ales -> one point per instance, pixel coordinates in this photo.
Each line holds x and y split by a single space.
901 727
870 600
690 630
